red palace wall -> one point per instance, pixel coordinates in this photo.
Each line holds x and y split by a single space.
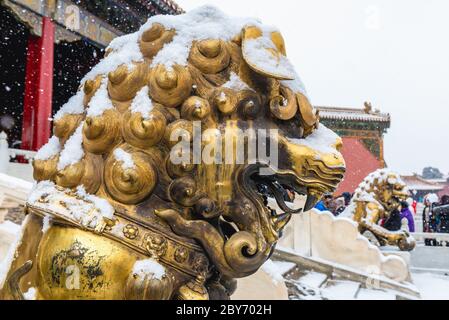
359 163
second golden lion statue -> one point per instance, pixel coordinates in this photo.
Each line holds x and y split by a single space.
377 196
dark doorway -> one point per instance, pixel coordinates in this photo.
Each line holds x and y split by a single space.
72 61
13 49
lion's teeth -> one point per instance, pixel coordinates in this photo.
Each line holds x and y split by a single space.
280 221
310 202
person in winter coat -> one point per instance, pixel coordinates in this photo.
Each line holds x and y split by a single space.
407 214
443 225
325 203
429 219
339 206
412 205
347 196
393 222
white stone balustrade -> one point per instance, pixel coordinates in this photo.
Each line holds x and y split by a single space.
420 236
19 170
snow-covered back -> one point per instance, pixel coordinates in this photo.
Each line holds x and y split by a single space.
50 149
73 149
149 267
103 206
86 209
142 103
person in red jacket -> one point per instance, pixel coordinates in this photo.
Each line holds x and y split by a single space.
412 204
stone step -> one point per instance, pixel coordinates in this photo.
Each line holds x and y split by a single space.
318 279
340 289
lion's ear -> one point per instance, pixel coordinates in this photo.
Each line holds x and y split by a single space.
278 41
264 51
309 115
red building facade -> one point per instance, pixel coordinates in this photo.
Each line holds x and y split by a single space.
362 131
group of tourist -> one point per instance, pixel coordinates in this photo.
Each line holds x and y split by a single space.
435 214
435 217
402 218
336 205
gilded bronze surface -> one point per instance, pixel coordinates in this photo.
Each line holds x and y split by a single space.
206 223
374 200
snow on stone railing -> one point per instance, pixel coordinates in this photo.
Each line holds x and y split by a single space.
14 188
6 153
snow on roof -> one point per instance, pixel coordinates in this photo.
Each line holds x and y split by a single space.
274 270
415 182
355 114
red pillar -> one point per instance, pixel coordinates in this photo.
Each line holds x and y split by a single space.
37 108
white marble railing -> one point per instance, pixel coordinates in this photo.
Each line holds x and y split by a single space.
19 170
420 236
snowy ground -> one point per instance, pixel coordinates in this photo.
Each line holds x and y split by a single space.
9 227
432 286
313 286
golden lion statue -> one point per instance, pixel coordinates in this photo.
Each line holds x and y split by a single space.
375 199
114 216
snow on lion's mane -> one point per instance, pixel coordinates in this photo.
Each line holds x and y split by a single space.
206 22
